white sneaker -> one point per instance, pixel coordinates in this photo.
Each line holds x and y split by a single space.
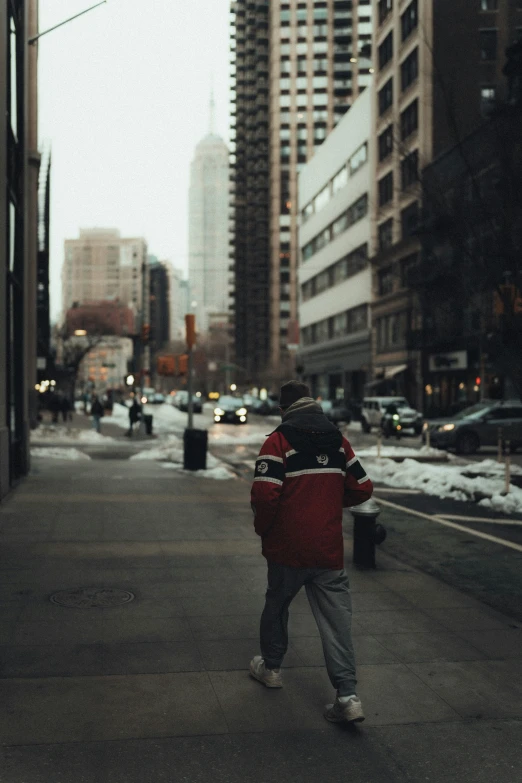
345 708
269 677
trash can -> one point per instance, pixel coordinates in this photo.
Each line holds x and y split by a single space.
147 420
195 449
366 533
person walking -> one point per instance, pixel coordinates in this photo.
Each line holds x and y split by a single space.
65 407
306 473
96 412
134 415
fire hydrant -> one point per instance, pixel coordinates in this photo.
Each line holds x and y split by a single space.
366 533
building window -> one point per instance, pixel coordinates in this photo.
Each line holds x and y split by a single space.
409 69
385 9
322 198
385 234
359 157
409 19
406 264
410 119
385 280
488 5
386 143
386 189
354 213
340 180
386 96
488 44
386 51
409 220
487 100
409 169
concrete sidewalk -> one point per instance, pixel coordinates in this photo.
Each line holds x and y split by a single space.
156 689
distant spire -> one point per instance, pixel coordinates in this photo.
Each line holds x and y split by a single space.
212 123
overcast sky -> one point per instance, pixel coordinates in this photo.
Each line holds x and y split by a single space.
123 99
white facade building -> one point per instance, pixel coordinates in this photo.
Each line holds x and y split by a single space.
335 288
178 302
208 228
102 265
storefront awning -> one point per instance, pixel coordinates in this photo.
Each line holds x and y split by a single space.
391 372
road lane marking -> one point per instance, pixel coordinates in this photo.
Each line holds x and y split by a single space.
488 521
455 526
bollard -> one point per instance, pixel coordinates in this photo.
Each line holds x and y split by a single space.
366 533
500 438
428 438
379 443
508 467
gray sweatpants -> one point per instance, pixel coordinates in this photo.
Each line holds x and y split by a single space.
328 593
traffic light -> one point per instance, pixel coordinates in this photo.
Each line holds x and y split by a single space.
183 364
145 333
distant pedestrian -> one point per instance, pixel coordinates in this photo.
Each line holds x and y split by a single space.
65 407
305 474
54 406
134 415
97 412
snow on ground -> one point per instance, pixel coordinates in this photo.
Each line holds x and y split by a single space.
449 481
170 454
401 451
48 452
120 416
225 439
57 433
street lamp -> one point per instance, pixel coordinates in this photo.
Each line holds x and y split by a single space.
35 38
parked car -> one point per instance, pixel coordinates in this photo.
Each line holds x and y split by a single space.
230 409
477 426
157 399
269 407
374 410
181 400
336 411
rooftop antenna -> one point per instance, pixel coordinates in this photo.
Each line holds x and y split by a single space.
212 125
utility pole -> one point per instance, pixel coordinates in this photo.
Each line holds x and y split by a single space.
190 330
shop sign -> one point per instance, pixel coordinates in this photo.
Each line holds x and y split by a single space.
454 360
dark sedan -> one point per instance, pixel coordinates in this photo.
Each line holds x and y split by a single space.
231 410
480 425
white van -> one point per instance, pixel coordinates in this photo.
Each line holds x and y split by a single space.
374 408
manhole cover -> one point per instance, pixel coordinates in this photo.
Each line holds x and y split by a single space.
91 597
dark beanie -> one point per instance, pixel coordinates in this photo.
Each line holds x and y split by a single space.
291 392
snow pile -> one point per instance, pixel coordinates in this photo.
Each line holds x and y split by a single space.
170 454
170 450
55 433
402 451
48 452
485 486
120 415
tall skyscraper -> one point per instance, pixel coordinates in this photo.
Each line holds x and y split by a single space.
208 226
102 265
159 303
298 66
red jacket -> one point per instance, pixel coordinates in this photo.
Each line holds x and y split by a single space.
298 499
